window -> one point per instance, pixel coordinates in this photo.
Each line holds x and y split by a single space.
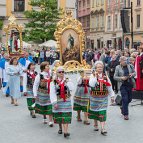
88 21
129 3
138 21
120 25
138 2
102 2
102 20
92 23
79 4
83 3
93 3
109 23
97 2
116 21
97 21
109 1
88 3
19 5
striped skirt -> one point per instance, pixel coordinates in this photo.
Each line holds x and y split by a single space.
43 104
98 108
63 114
81 100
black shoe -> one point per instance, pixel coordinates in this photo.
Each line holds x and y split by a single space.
60 132
116 92
33 116
104 133
66 135
7 95
126 118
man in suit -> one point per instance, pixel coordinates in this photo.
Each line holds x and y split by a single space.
124 74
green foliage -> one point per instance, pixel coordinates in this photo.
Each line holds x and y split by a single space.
42 22
1 24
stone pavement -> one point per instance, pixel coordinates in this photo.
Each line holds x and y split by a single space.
16 126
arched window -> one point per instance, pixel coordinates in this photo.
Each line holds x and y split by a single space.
19 5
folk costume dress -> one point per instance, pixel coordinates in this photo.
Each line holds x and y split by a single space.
100 89
30 81
41 90
81 98
60 95
14 73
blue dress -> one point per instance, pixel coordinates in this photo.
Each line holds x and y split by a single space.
14 80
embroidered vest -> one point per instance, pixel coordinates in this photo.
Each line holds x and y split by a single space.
58 90
44 85
30 79
100 89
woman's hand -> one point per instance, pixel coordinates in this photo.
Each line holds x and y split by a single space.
124 78
112 100
56 106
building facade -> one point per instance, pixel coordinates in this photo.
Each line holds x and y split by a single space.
68 5
97 23
2 8
113 29
137 23
16 7
83 15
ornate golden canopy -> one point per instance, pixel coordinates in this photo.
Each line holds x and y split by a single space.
7 28
68 23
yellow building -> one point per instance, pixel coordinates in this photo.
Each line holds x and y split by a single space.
97 23
137 23
68 5
16 7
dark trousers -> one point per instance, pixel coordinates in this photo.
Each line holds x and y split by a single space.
41 60
114 84
126 93
48 60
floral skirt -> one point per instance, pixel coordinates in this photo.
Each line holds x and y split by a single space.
62 118
98 115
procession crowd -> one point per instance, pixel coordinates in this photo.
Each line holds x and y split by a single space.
49 92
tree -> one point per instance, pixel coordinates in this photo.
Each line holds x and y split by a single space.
42 21
1 24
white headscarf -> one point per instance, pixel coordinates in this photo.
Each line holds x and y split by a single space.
98 62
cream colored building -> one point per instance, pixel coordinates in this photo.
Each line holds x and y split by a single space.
97 23
137 23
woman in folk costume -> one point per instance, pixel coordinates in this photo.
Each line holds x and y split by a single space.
31 74
81 98
100 89
41 90
60 97
14 71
